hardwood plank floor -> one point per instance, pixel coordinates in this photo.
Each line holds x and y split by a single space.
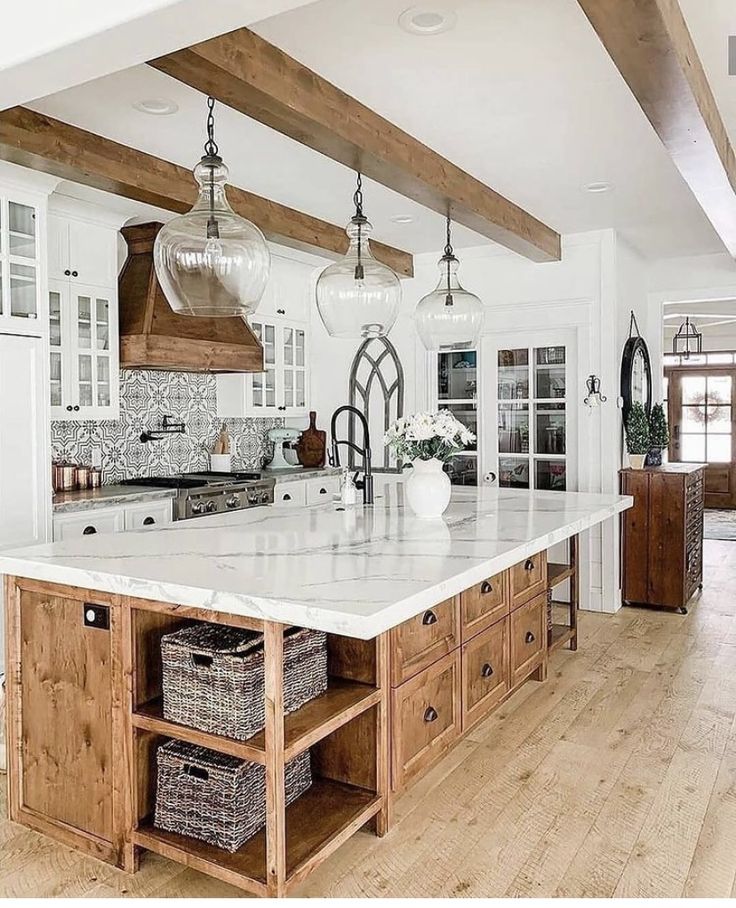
616 777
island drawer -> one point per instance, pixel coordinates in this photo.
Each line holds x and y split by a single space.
528 579
425 719
424 639
485 672
484 603
528 631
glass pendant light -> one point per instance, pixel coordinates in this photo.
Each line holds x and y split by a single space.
210 261
449 318
358 297
688 340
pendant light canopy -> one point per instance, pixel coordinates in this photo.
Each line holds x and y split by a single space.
449 318
211 262
358 297
688 340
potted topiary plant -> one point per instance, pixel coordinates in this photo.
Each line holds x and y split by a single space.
659 435
637 436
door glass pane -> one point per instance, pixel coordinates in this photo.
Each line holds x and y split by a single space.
300 348
693 389
719 389
693 418
84 322
466 414
719 420
513 473
549 372
551 475
693 448
513 374
22 230
269 345
463 470
513 428
22 291
300 394
1 288
719 448
102 310
55 319
85 381
457 375
550 432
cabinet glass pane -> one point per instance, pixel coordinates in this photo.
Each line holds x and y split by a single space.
102 310
103 381
513 428
270 386
22 230
457 375
22 291
551 475
301 399
513 374
54 319
257 389
85 381
269 345
550 432
299 348
288 388
56 383
513 473
463 470
288 346
549 372
1 288
468 416
84 322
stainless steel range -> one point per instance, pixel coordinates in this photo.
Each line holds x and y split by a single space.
205 493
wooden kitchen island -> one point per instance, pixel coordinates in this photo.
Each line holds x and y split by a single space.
430 626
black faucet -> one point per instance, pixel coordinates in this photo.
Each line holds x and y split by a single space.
366 484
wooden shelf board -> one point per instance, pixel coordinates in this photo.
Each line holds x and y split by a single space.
341 703
561 634
317 823
556 573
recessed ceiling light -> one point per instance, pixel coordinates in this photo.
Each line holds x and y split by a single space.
601 186
427 20
402 219
158 107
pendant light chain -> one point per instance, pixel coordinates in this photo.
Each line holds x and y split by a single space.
449 258
210 146
359 219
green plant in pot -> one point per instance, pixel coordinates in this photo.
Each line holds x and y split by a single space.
659 435
637 436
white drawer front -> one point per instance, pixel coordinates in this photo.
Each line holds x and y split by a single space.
148 514
290 494
89 523
322 491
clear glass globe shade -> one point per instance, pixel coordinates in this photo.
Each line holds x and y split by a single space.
358 297
449 317
210 261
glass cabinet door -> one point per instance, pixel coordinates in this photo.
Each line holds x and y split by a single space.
293 347
57 326
457 391
91 349
264 383
18 262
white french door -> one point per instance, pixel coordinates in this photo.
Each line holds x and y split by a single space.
530 400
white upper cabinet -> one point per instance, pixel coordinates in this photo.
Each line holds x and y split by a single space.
22 307
83 318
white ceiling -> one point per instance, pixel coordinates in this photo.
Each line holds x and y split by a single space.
521 94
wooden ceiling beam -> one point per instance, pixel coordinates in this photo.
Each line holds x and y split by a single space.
247 73
651 46
43 143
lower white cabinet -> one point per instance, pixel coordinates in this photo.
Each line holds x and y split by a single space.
115 519
321 491
290 494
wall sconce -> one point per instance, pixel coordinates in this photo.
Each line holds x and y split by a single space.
594 398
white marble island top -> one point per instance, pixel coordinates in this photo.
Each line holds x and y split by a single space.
357 572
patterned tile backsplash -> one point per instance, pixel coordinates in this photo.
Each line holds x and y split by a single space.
145 398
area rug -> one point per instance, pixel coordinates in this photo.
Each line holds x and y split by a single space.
719 524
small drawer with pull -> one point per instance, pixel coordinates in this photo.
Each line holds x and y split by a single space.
425 718
528 578
322 490
528 635
290 494
484 603
148 515
424 639
485 672
90 522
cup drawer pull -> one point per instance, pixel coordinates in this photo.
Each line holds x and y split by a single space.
487 670
528 565
429 618
486 587
529 638
430 714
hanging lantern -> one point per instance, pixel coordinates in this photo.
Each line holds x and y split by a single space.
688 340
210 261
358 297
449 318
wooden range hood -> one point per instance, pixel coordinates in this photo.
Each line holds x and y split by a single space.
153 336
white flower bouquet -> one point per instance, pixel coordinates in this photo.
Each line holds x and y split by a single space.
425 436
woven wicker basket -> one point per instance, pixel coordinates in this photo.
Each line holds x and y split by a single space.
213 676
215 797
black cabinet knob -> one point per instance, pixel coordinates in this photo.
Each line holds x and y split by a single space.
75 274
148 521
69 407
281 311
486 587
429 618
487 670
430 714
67 272
88 531
76 408
528 565
281 408
530 638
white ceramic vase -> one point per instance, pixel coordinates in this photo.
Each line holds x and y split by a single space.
428 488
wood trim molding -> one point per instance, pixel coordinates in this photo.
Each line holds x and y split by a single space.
649 42
34 140
247 73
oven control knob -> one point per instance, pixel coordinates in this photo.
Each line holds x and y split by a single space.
263 497
232 502
197 507
210 506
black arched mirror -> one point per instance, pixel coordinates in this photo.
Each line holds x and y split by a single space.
636 376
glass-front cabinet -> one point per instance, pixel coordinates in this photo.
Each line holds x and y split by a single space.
532 418
19 266
457 391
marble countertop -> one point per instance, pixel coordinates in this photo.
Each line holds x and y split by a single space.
299 473
106 496
357 571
